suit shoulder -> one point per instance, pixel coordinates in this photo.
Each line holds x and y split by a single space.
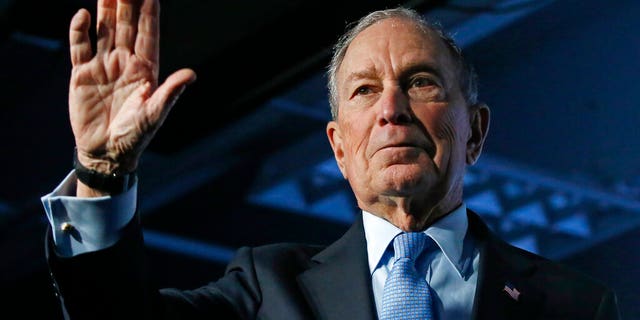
563 273
277 254
286 250
546 269
558 274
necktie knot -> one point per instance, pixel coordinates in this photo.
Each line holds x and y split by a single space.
409 245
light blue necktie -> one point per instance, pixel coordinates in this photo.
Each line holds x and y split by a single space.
406 293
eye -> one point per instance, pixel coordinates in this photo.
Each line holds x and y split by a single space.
419 82
362 90
425 88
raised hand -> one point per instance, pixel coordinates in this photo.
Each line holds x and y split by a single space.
115 103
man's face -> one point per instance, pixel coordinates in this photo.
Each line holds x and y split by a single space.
403 126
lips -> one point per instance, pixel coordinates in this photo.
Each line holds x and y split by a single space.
401 137
406 144
406 141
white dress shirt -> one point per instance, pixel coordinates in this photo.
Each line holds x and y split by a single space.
82 225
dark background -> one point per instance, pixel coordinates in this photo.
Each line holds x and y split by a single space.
243 158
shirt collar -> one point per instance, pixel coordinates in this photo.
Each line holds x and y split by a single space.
448 233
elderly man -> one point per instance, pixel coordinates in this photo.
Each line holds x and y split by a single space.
406 124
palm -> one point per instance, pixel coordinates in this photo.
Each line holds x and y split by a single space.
115 103
109 90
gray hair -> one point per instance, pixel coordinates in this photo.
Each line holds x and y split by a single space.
467 77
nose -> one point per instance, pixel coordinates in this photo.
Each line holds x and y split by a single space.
394 107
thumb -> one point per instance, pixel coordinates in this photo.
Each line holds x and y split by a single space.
166 95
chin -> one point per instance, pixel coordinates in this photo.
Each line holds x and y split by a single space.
406 179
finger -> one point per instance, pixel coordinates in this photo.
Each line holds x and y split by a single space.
148 40
79 42
105 25
166 95
127 23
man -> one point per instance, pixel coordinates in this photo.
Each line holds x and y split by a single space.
406 123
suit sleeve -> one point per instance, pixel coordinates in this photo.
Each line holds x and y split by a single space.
113 283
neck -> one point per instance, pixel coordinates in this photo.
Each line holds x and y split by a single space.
411 216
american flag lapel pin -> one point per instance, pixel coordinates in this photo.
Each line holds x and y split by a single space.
511 291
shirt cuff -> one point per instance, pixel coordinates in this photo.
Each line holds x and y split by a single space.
82 225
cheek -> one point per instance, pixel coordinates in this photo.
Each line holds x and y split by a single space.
448 128
355 138
447 125
355 141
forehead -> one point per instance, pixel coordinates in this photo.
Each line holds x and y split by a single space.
393 44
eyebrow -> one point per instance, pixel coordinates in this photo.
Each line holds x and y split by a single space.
414 68
367 74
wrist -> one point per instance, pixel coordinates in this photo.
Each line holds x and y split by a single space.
106 163
101 177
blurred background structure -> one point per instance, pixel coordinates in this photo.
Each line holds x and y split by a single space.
245 147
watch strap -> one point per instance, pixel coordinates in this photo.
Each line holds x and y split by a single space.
112 183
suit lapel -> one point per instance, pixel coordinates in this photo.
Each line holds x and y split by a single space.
502 266
339 285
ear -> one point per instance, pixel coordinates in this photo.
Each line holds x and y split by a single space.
479 120
335 139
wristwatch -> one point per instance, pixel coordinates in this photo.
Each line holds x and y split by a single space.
113 183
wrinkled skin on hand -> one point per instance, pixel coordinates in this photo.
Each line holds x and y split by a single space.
115 103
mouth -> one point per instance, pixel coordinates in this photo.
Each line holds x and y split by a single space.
427 147
403 138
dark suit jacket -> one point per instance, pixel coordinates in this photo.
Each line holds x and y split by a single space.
294 281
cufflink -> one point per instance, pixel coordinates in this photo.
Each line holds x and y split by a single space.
66 227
